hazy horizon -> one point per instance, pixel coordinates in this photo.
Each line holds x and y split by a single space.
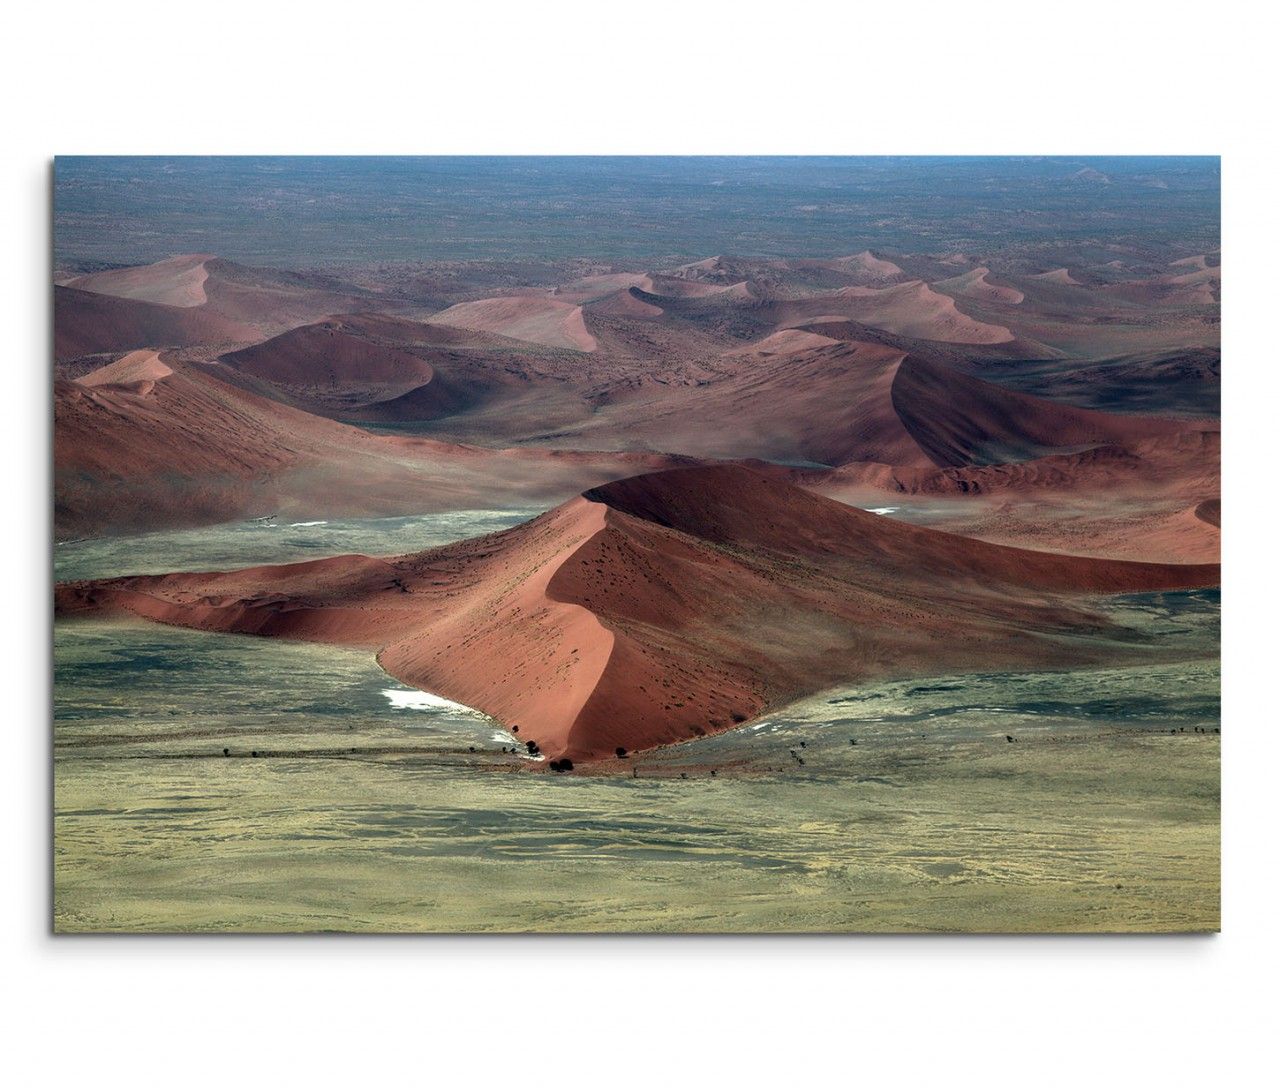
301 211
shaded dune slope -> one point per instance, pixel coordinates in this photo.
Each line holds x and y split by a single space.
958 419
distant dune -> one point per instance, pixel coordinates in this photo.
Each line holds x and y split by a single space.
535 318
1057 275
785 342
788 399
974 284
915 309
868 265
178 281
145 444
263 300
331 369
593 288
92 324
668 606
962 420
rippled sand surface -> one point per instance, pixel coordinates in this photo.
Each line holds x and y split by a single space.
897 807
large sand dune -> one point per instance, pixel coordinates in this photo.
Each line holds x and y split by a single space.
667 606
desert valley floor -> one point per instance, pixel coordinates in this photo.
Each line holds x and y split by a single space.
875 592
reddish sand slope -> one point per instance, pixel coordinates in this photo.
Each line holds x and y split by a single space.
147 443
785 342
974 284
836 403
868 266
1179 464
539 319
960 420
667 606
1153 531
910 309
1057 275
263 299
1154 499
138 368
273 301
594 288
331 369
178 281
94 324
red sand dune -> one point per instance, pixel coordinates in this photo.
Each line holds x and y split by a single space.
849 401
867 266
677 287
178 281
594 288
327 354
785 342
1152 499
266 300
134 452
909 309
1210 512
1144 529
136 368
1183 463
623 303
95 324
974 284
331 369
960 420
1180 464
1057 275
914 309
667 606
539 319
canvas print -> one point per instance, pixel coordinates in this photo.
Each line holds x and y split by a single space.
656 545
